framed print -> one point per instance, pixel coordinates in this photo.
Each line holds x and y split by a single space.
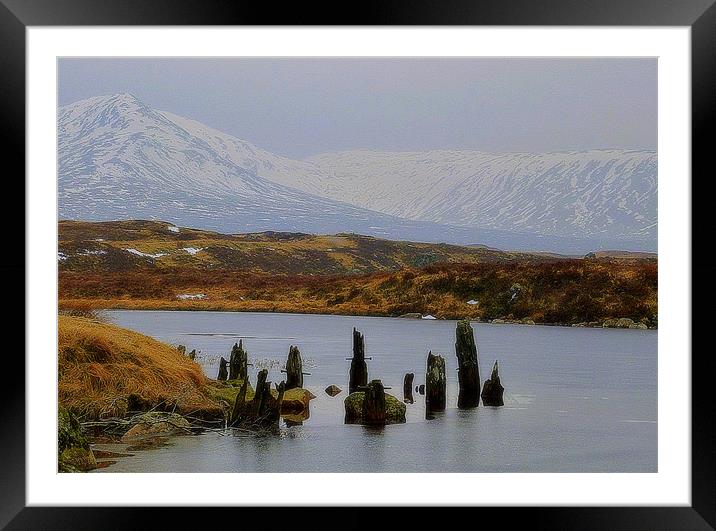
436 258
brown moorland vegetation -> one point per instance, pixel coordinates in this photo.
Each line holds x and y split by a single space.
554 292
151 245
102 367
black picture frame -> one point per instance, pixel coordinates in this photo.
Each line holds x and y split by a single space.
699 15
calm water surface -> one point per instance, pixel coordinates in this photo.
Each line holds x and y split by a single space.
576 399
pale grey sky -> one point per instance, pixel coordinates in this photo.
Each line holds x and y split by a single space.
300 107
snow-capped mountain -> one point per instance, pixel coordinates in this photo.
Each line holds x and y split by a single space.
120 159
580 194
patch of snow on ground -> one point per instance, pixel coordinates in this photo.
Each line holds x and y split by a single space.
173 228
185 296
429 317
61 256
192 250
473 302
140 253
88 252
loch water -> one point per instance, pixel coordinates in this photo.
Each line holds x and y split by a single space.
576 399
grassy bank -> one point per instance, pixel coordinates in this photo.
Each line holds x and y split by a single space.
105 370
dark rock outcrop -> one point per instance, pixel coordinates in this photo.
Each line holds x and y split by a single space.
468 371
492 391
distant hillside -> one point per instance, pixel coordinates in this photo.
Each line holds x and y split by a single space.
131 245
153 265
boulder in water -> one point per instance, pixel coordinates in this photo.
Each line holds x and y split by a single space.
333 390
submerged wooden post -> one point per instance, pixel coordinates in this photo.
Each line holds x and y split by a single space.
492 391
408 388
435 383
239 404
359 369
222 369
238 362
294 369
468 372
374 404
264 411
274 410
263 391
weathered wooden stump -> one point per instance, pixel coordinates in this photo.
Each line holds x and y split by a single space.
468 372
359 369
374 404
294 368
408 388
435 383
238 362
181 349
263 411
192 354
222 370
239 403
492 391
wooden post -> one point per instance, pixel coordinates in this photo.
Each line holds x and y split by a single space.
492 391
468 372
238 362
239 404
408 388
435 383
374 404
359 369
192 354
294 369
222 369
264 411
263 391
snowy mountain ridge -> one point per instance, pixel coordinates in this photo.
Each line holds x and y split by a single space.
120 159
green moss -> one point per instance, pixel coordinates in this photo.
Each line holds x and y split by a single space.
296 399
227 391
73 450
394 408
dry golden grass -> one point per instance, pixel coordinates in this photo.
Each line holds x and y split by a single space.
557 292
101 365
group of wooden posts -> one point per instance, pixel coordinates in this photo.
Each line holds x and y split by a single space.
264 409
435 386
